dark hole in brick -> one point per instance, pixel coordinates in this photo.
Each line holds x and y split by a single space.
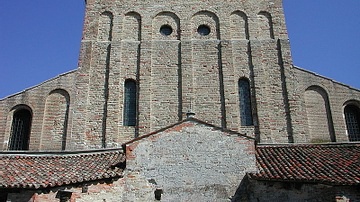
64 196
158 193
84 189
152 181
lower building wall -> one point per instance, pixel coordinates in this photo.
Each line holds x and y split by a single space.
134 187
186 162
101 192
189 162
253 190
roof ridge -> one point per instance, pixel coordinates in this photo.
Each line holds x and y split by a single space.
332 144
59 153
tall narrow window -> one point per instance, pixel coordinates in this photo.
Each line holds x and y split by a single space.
352 118
20 130
130 103
245 102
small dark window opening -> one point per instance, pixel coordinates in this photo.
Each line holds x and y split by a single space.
130 103
64 196
166 30
3 197
245 103
158 192
20 130
352 119
84 189
203 30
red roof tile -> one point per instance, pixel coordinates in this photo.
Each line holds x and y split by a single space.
327 163
42 170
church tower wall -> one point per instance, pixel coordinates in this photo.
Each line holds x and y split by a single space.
183 56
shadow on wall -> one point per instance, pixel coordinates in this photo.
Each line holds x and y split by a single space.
253 190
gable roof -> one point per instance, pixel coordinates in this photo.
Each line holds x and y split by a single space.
337 164
185 123
44 170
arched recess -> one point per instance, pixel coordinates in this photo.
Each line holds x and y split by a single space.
105 27
352 120
20 128
132 27
205 19
55 122
321 128
169 22
239 27
266 25
130 103
246 118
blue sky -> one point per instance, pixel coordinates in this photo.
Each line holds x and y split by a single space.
40 39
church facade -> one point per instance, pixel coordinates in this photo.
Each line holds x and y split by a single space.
145 65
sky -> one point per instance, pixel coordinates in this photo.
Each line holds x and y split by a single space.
40 39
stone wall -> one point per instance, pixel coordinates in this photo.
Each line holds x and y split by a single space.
189 161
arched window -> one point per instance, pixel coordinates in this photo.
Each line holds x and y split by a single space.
352 118
20 130
130 103
245 102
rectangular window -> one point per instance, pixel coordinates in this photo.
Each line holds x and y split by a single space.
130 103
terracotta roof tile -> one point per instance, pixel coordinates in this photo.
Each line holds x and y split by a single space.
41 170
326 163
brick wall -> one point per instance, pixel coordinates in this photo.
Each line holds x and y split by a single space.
179 72
49 103
183 70
318 115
